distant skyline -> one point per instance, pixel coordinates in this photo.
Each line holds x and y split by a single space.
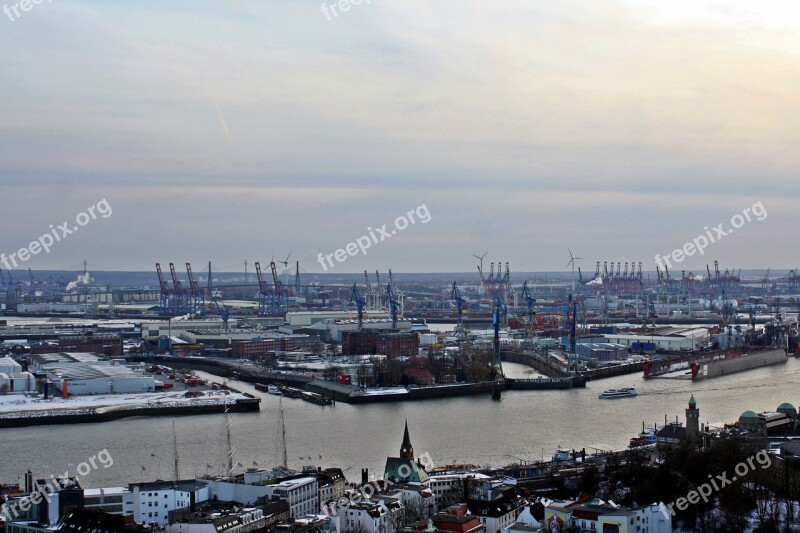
248 130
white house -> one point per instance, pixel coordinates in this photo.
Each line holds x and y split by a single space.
302 492
150 503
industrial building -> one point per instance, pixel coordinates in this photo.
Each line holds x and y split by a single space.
391 344
90 379
671 343
9 365
602 351
49 361
17 382
160 328
227 337
260 347
306 318
334 329
107 344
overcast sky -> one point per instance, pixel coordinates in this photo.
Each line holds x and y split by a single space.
227 131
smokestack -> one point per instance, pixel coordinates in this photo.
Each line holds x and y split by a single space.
28 482
364 476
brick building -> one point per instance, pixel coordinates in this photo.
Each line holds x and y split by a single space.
107 344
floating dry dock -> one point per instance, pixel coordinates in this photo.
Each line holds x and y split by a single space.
21 410
736 363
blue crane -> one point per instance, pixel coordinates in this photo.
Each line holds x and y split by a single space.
499 308
529 302
223 311
394 305
455 294
356 297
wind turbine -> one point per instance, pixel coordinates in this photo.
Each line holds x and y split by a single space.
285 264
480 258
572 259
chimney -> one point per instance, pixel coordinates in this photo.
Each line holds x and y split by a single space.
28 482
364 476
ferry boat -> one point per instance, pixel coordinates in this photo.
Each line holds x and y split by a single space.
561 455
647 437
618 393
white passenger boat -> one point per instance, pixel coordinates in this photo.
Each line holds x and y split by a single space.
618 393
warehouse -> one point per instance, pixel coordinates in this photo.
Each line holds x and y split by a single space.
48 361
9 366
17 382
80 380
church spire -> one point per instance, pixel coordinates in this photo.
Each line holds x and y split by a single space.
406 449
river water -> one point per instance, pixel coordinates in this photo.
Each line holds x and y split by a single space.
475 430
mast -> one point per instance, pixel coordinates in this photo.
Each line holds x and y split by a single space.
175 451
282 459
231 449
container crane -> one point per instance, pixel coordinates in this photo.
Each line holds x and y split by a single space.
529 301
197 302
369 297
483 281
393 305
455 294
279 300
165 302
500 309
356 298
223 311
378 295
262 291
180 297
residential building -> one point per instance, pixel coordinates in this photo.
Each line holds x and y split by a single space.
108 500
599 516
498 513
150 503
209 519
331 484
301 491
364 517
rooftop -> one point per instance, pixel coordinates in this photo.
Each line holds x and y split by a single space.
185 485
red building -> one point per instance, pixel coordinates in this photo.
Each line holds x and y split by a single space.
107 344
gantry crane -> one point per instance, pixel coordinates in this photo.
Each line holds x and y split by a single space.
393 304
455 294
196 301
356 298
